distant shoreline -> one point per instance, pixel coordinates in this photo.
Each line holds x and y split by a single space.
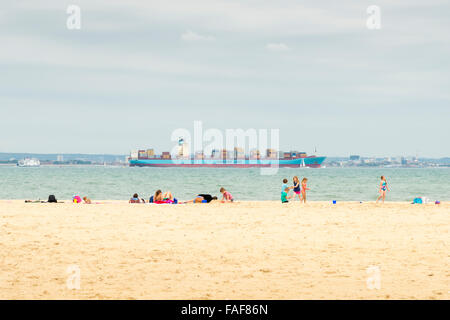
326 166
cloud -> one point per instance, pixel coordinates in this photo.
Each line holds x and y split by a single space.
278 47
202 56
191 36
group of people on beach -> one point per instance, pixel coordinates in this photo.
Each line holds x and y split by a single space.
299 189
167 198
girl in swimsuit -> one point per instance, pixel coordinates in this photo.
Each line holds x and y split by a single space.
226 196
304 188
297 189
383 188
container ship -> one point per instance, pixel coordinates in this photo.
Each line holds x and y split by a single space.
223 158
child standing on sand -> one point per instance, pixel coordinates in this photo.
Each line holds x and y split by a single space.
383 188
284 185
226 196
296 188
304 188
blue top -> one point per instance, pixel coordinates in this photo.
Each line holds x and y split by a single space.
297 188
283 187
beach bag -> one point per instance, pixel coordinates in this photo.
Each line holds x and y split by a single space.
52 199
417 201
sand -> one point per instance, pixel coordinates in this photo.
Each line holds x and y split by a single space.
246 250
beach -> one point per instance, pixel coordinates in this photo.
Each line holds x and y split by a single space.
242 250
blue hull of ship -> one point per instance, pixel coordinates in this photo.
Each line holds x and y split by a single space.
314 162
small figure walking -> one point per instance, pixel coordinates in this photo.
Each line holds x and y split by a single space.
383 188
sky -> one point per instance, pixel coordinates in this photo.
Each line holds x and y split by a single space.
138 70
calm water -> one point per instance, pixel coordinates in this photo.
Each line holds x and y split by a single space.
245 184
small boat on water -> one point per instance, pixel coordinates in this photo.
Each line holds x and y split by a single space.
29 162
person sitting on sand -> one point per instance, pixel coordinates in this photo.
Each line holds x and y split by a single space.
161 197
383 188
87 200
284 195
135 199
226 196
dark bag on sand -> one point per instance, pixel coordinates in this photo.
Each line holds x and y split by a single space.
52 198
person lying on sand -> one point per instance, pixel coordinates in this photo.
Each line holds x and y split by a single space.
51 199
202 197
87 200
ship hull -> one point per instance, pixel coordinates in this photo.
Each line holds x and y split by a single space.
313 162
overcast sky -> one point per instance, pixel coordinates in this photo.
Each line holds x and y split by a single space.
137 70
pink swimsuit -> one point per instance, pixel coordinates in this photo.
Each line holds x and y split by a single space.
228 196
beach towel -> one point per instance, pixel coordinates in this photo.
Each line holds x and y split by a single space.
167 201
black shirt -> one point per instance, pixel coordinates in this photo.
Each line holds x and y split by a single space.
207 197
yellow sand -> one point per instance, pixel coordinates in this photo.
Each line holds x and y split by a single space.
247 250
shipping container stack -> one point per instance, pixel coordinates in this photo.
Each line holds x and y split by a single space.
271 154
134 154
166 155
150 153
215 154
199 155
254 154
142 154
239 154
224 154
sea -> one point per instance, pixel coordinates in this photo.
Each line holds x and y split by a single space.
120 183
